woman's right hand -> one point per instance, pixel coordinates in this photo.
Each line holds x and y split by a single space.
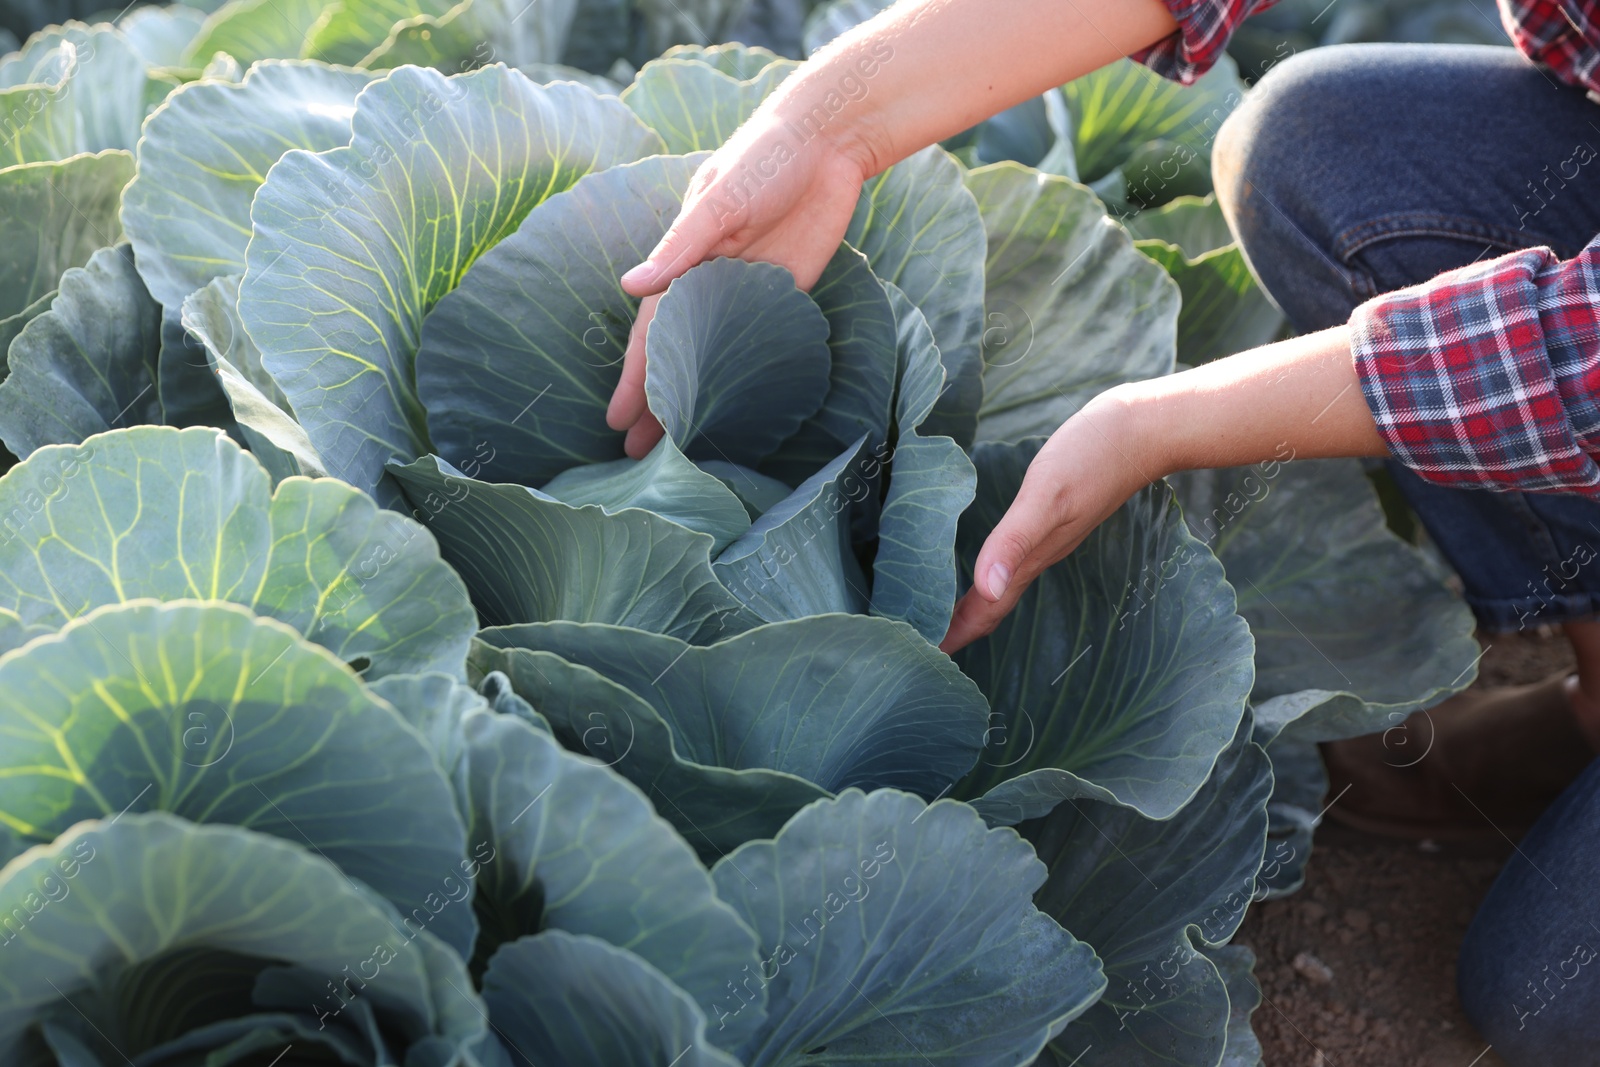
783 188
771 194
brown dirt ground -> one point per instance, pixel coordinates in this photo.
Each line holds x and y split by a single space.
1386 917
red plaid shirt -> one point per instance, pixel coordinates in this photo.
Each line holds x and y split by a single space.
1489 375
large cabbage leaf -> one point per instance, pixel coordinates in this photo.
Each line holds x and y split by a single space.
161 35
349 29
210 318
921 230
506 357
250 30
1151 896
1336 602
1071 307
693 104
809 714
352 247
528 557
1122 673
859 893
526 351
578 849
89 363
207 150
245 937
207 712
1224 310
175 514
1141 139
1354 628
933 483
715 808
73 88
611 1008
54 215
913 221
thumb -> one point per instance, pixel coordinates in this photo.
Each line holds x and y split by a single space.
1006 550
696 231
1006 565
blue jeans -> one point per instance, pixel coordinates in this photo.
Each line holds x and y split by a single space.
1355 170
1529 969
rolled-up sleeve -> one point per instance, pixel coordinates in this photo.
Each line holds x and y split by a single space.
1489 376
1204 27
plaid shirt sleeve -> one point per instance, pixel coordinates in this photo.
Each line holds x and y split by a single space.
1204 27
1489 376
1559 36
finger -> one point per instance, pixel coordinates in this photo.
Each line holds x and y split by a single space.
643 436
969 622
1026 525
694 234
977 616
628 400
1027 539
1023 554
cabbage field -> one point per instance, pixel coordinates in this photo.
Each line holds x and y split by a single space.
350 666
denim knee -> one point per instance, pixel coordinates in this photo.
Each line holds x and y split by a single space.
1358 169
1251 151
1275 170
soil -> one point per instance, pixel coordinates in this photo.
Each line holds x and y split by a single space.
1358 968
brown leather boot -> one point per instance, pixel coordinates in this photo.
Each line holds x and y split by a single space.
1484 763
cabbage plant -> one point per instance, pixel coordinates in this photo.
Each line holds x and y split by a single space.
625 761
226 843
742 622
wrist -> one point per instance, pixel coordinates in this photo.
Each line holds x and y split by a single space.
832 105
1133 417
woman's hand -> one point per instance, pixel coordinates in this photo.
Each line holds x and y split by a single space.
1302 395
770 195
1087 470
784 187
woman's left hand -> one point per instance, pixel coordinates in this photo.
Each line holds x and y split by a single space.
1085 471
1301 398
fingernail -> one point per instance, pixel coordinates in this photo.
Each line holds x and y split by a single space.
643 274
999 578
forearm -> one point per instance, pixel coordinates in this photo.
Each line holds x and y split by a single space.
1294 399
924 71
1299 397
